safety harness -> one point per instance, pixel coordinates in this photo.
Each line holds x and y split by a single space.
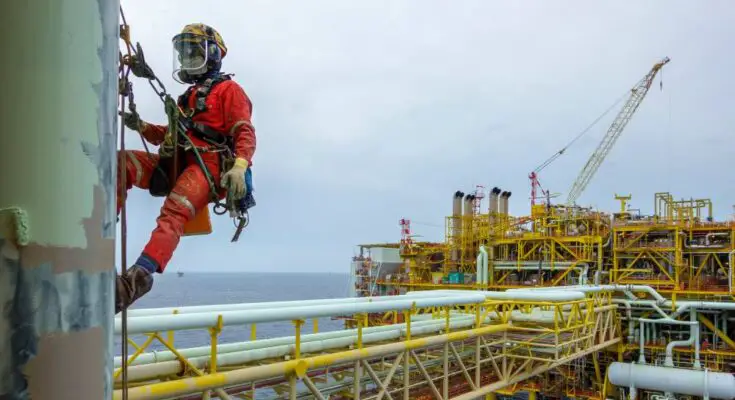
202 131
180 121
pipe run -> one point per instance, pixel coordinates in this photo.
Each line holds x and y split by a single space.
144 312
693 339
395 333
417 321
528 295
598 288
158 323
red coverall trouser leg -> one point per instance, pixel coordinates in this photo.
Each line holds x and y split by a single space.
189 194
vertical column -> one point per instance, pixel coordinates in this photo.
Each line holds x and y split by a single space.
57 198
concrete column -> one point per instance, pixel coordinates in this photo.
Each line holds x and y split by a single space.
57 198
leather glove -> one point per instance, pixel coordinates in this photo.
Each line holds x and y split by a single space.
234 179
132 121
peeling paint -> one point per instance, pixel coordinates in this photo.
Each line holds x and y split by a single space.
103 153
37 303
98 255
45 291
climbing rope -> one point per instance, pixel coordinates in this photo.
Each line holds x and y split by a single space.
175 140
127 90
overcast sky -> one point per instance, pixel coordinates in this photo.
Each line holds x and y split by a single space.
367 112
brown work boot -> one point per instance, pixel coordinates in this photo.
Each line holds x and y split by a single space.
131 286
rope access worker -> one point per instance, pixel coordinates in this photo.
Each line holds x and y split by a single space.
218 110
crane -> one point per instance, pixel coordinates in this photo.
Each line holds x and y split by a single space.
637 93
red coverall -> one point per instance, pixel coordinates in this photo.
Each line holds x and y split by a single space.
228 110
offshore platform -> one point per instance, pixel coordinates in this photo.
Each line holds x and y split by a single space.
567 302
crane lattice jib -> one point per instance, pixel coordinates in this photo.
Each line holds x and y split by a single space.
613 133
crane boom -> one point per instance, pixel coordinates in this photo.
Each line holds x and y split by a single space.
637 93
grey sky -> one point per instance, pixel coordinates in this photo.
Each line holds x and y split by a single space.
370 111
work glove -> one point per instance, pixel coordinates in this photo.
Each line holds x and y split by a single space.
132 121
234 179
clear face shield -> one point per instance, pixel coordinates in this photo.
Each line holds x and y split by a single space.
190 55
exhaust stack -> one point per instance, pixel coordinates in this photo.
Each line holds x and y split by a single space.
506 202
468 205
456 221
457 203
493 207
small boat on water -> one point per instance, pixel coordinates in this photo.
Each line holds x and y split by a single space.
180 274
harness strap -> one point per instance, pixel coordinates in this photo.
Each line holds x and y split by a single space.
202 91
207 133
200 130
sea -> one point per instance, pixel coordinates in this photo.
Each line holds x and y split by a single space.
200 288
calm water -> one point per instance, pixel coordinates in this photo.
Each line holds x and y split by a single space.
220 288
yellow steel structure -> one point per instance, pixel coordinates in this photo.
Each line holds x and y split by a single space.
679 251
502 348
504 343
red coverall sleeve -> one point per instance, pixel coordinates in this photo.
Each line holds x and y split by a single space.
153 133
237 112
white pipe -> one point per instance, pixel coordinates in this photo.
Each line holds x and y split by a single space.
149 371
642 336
683 306
705 395
157 323
665 321
693 330
729 270
720 385
696 364
144 312
659 310
529 295
654 333
628 314
619 288
478 262
484 265
583 274
160 356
